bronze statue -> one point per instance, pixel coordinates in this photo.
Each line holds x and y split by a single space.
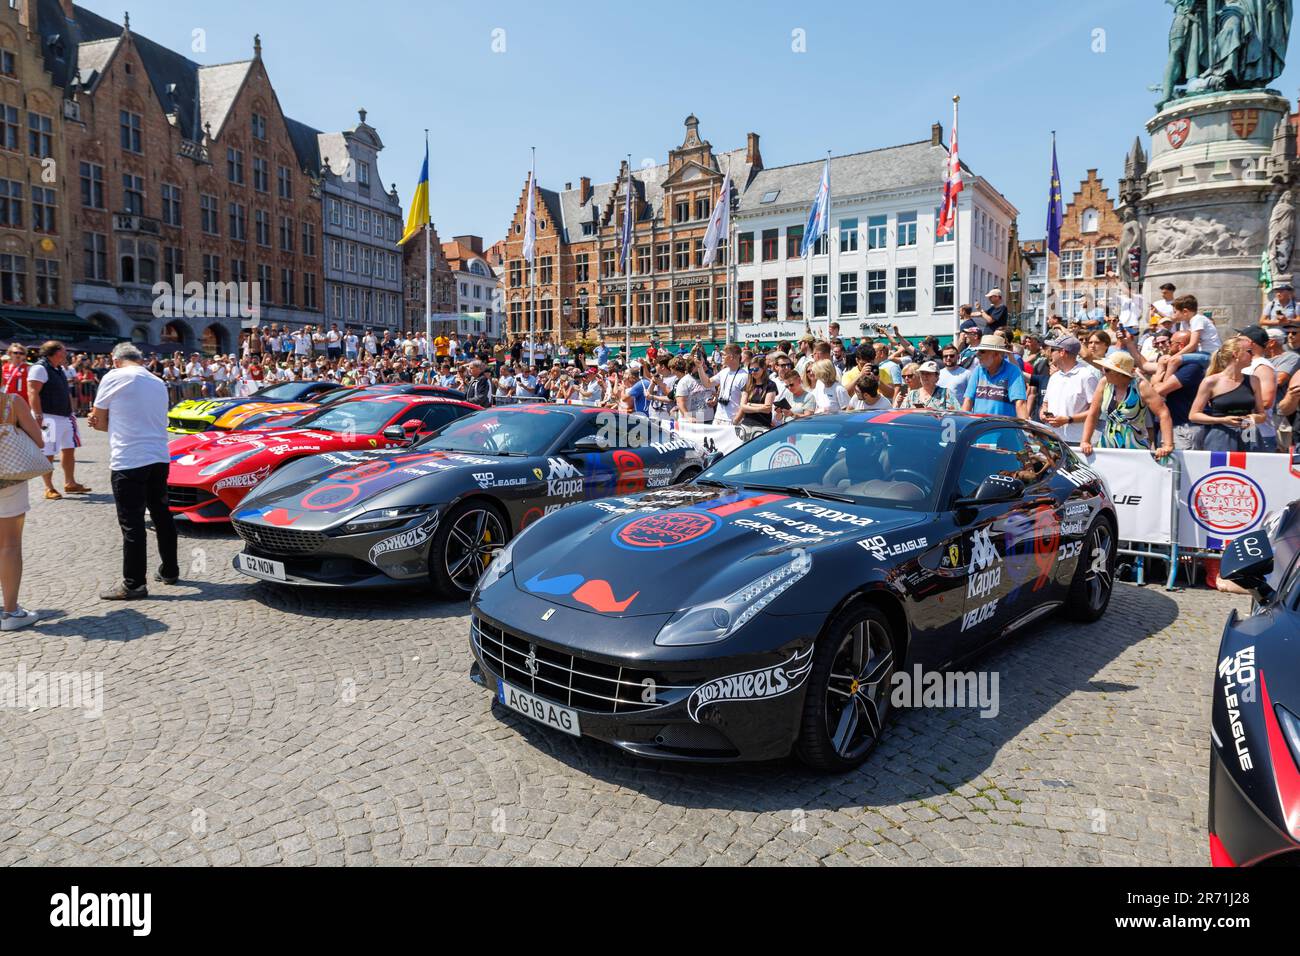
1225 45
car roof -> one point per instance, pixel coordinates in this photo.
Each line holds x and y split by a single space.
931 419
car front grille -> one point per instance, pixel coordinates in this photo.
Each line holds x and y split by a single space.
567 679
288 542
187 496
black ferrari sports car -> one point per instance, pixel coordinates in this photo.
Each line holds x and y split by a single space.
439 510
765 606
1255 716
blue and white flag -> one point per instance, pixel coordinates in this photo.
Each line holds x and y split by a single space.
625 251
719 222
530 217
820 215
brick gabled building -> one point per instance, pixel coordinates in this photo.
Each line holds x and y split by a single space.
1085 273
442 281
181 173
580 286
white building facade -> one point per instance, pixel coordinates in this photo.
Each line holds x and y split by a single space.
882 264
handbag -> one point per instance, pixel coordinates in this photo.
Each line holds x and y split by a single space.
21 459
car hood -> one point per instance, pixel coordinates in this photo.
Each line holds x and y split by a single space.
274 442
662 551
205 408
236 416
317 492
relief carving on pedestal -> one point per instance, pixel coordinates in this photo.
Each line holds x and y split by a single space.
1228 233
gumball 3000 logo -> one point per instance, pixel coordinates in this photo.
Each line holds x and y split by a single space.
665 530
1226 502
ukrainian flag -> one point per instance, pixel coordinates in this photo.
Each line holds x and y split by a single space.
419 214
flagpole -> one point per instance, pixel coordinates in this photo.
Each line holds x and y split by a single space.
830 244
428 263
627 264
733 278
532 264
1047 251
956 241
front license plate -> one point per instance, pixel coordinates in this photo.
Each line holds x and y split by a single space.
542 711
260 567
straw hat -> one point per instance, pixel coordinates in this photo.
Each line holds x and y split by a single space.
992 343
1121 362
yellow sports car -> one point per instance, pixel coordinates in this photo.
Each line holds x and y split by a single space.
201 414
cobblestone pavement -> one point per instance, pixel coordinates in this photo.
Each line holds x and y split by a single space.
244 723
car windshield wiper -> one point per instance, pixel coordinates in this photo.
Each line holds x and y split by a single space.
485 453
800 492
713 483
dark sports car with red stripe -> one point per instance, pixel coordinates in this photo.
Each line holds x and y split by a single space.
207 480
766 606
438 511
1255 717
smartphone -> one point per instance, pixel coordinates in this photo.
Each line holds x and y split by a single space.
782 403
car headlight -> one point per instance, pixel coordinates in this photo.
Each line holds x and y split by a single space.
718 620
499 568
225 464
1290 725
382 519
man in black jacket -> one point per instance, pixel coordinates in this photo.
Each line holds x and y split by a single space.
479 390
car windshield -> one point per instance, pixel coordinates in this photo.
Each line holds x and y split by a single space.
362 417
286 391
888 466
339 395
524 431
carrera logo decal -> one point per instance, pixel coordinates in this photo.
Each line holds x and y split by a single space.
243 481
665 530
764 683
405 541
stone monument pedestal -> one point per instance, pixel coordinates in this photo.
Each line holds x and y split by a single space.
1205 201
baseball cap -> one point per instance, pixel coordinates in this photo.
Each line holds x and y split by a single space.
1276 334
929 367
1163 334
1067 343
1255 334
1283 287
970 325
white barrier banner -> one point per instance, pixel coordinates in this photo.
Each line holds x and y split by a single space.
721 437
1224 494
1141 488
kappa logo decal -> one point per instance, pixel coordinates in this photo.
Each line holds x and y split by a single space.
763 683
666 530
983 552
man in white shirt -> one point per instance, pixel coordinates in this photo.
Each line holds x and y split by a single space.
1069 391
350 343
370 343
730 383
1164 306
301 343
131 405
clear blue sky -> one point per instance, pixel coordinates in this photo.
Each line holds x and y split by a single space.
588 82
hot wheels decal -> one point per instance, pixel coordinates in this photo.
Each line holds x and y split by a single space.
406 540
762 683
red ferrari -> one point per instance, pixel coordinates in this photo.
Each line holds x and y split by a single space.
208 479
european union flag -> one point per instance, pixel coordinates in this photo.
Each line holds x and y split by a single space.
1055 211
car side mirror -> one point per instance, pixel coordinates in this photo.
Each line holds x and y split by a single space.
1247 562
993 489
396 433
590 443
412 425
